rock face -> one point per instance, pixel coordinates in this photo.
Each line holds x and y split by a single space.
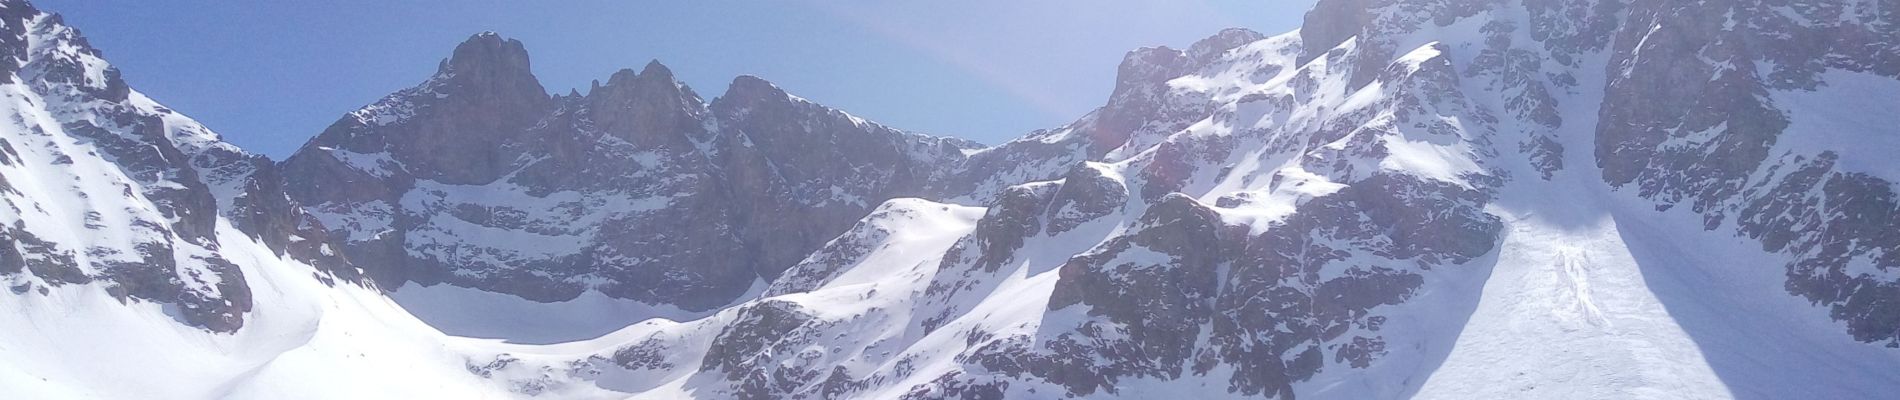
639 188
1291 216
104 187
1719 134
1143 110
1246 255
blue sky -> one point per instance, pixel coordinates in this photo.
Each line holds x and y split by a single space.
270 74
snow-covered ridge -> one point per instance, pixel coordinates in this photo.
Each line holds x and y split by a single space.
110 189
144 257
477 178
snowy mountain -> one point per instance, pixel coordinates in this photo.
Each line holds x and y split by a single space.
144 258
1404 198
638 189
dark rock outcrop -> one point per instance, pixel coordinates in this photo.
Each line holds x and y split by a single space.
141 190
640 188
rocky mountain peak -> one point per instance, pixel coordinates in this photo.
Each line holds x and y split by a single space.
152 187
1205 50
1140 80
1375 206
657 71
654 80
1330 23
489 65
623 77
1143 68
48 53
488 54
748 93
647 105
748 87
450 127
762 183
653 75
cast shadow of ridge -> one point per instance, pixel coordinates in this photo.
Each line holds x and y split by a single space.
1731 298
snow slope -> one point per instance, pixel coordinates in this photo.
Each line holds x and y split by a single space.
306 339
1603 297
127 273
1403 199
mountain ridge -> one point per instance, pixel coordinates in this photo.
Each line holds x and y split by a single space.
641 140
1432 199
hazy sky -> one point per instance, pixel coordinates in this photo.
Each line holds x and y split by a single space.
268 75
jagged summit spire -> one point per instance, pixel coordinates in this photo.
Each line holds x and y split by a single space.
1149 64
1207 49
1330 23
487 65
655 69
750 86
626 78
488 51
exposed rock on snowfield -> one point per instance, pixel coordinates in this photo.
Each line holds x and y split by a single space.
104 187
638 188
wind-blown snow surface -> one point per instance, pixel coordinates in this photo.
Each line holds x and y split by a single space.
127 273
474 313
1404 209
304 340
1600 296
